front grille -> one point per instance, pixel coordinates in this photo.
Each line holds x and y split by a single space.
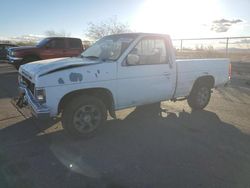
30 85
9 52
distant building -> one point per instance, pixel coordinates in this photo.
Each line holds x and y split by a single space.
5 42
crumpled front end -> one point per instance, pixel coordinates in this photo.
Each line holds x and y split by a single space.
27 98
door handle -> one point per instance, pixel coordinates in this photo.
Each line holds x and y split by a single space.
166 74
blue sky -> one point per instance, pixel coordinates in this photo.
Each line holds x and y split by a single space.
176 17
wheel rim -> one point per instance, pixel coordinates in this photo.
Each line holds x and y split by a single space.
203 96
87 118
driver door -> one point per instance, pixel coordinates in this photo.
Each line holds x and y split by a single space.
150 79
54 49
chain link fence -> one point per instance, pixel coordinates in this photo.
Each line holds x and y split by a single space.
235 48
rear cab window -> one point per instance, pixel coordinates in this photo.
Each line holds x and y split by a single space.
74 44
56 43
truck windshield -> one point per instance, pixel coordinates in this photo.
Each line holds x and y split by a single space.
109 48
43 42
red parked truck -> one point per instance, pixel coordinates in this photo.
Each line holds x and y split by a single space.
48 48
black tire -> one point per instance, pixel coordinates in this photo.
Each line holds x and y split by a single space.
29 59
17 65
199 96
24 61
83 116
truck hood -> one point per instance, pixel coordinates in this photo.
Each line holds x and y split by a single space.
40 68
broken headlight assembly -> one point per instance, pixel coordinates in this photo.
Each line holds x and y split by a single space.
40 95
19 78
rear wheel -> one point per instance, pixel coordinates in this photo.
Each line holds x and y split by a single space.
199 97
83 116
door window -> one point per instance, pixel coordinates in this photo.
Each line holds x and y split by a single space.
151 51
74 44
56 44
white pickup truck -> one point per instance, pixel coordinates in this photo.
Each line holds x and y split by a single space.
117 72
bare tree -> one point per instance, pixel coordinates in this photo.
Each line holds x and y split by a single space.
108 27
52 33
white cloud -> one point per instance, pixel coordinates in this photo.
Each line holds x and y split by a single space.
223 25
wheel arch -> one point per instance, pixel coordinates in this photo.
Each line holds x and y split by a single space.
207 80
103 94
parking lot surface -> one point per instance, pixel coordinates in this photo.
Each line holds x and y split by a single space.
180 148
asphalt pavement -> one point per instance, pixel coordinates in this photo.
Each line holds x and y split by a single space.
180 148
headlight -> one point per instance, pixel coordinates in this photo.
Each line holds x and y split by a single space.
40 95
19 78
12 53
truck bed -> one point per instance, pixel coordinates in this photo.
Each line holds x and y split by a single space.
191 69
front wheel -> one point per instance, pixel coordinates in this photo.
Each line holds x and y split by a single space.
199 97
83 116
25 61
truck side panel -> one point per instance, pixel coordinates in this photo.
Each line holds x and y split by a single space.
190 70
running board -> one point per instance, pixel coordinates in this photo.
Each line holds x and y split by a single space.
179 99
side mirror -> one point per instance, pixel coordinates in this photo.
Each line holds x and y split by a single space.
133 59
47 46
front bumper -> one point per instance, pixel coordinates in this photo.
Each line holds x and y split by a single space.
12 59
37 109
